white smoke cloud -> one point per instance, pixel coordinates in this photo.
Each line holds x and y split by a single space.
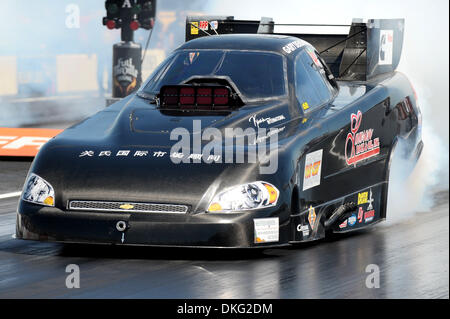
413 192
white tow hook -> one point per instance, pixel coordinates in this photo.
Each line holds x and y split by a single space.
122 226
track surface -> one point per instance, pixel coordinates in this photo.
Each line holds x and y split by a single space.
412 255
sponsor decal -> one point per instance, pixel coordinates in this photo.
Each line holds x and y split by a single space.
311 216
362 198
87 153
203 25
362 144
370 201
313 168
291 47
360 215
194 28
159 154
352 220
386 47
304 229
24 141
177 155
269 120
193 56
140 153
343 225
313 56
209 159
214 25
105 153
266 230
369 216
194 156
123 153
213 158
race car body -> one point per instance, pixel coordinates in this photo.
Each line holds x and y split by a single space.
236 141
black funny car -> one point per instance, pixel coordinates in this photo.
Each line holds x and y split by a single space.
153 169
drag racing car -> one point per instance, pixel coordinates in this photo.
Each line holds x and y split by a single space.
239 140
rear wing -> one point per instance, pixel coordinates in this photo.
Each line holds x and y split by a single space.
369 49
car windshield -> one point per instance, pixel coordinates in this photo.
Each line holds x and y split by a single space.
257 75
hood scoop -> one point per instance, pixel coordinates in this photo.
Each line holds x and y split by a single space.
179 105
197 97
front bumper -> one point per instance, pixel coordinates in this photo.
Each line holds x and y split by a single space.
35 222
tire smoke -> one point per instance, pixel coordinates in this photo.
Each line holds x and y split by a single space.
412 185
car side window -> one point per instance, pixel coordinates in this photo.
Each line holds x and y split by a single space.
311 89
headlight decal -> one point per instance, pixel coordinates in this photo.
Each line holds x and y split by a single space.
248 196
38 191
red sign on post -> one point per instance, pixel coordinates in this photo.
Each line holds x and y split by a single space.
24 141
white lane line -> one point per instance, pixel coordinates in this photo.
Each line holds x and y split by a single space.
9 195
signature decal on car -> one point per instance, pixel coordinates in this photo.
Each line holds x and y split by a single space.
269 120
263 137
363 145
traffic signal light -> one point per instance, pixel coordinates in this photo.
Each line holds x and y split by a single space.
146 15
113 19
134 14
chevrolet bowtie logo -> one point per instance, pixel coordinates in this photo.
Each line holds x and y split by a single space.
126 206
